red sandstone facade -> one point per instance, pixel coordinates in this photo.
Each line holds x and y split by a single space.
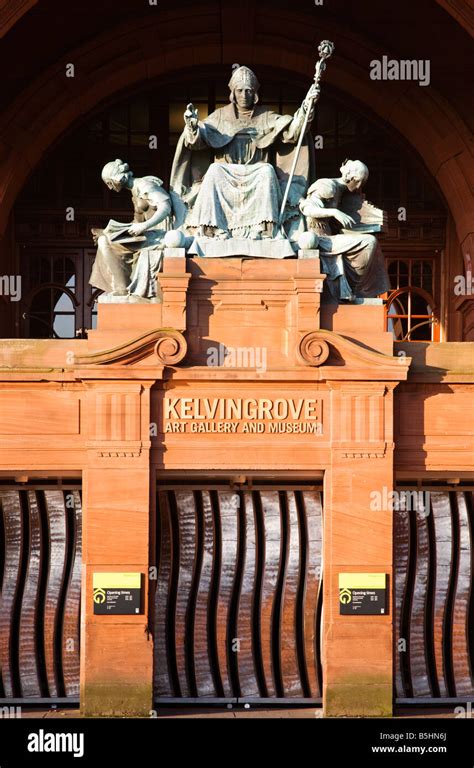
389 415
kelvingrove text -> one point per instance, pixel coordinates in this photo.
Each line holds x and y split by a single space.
197 408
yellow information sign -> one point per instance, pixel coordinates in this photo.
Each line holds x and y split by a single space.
117 593
362 580
363 594
116 580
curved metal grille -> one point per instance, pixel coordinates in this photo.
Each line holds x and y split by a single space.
434 595
239 595
40 581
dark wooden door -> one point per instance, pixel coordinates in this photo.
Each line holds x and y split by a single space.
238 595
434 597
40 589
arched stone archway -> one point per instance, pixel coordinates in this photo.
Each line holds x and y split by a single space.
461 11
11 12
130 54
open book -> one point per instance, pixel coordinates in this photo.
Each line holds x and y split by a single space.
118 232
368 218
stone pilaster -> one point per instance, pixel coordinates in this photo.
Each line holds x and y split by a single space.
116 651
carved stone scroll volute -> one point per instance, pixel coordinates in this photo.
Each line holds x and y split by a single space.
312 350
171 349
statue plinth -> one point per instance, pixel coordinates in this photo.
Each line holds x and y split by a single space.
225 305
236 304
268 248
228 304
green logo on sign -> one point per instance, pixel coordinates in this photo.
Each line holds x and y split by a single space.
345 596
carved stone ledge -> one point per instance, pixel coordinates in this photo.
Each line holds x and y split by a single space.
166 345
117 449
117 454
363 455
